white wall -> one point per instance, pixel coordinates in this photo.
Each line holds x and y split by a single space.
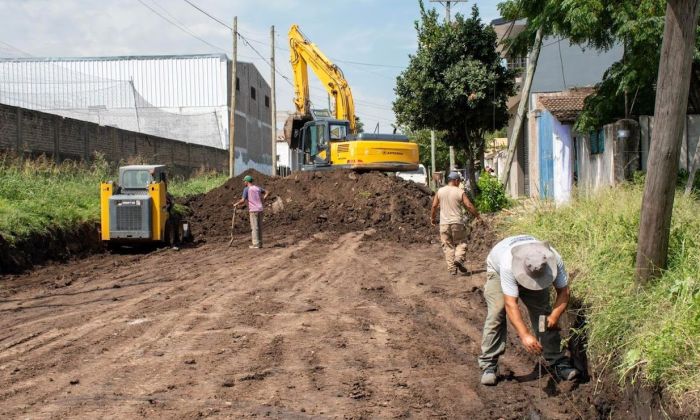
595 171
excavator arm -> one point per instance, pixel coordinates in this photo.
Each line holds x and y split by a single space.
305 54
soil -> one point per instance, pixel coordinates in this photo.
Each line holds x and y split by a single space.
334 318
310 202
55 245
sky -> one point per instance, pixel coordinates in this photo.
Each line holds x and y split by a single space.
378 33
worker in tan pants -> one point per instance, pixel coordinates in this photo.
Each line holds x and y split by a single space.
450 199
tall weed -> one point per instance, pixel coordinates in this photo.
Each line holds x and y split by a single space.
652 333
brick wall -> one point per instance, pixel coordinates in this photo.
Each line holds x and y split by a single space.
33 133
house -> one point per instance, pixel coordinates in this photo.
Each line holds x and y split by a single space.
544 163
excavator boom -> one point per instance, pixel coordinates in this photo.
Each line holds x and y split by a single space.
330 141
305 54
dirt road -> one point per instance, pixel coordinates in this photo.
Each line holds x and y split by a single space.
322 328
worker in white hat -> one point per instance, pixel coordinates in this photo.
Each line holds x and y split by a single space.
452 201
522 267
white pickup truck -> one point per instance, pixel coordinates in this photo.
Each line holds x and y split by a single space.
419 176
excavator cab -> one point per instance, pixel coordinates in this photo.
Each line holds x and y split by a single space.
318 139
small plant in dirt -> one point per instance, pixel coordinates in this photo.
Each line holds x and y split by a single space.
492 194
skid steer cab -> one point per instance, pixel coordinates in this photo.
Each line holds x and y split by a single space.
139 210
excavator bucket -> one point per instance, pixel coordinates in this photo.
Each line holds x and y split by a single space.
292 129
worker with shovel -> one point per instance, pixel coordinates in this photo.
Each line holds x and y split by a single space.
254 196
454 232
522 267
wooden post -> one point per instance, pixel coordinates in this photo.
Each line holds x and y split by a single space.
56 140
669 112
524 99
432 158
273 105
19 131
232 104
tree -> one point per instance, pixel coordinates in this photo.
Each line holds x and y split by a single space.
455 83
359 125
673 83
628 85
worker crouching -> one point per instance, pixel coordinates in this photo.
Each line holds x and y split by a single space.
454 232
522 267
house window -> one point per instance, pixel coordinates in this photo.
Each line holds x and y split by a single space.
597 141
238 84
252 93
267 101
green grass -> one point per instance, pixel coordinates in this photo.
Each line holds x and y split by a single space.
38 195
198 184
649 334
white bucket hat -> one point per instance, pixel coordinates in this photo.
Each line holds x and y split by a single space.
534 265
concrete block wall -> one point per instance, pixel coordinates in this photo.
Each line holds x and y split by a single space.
33 133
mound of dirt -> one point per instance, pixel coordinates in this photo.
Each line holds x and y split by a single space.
306 203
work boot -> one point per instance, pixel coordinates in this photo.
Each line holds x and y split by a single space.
565 372
453 271
488 377
460 266
254 247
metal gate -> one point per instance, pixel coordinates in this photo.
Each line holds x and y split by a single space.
546 154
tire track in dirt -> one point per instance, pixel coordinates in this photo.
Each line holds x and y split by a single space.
326 327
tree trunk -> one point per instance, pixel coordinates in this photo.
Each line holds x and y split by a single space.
522 106
671 105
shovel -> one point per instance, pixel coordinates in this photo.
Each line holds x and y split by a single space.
233 224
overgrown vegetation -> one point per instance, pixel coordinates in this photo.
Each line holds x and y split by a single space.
492 194
649 334
198 184
37 195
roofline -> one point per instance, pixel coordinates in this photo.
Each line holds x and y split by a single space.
220 56
503 21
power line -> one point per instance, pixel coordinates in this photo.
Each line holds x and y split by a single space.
248 42
206 13
182 28
16 49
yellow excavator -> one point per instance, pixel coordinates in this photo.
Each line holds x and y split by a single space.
328 140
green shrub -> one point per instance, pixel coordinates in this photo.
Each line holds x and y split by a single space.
492 194
649 334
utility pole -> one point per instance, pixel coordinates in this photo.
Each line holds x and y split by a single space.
232 110
670 110
432 156
273 105
524 99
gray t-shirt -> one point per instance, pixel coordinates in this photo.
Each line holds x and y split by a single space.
500 261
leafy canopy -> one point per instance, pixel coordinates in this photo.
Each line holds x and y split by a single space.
600 24
455 82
